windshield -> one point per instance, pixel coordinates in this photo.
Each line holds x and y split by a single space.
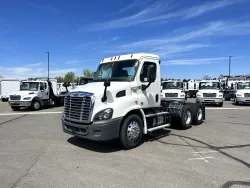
245 85
29 86
172 85
209 85
117 71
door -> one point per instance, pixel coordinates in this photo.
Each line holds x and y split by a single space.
44 92
150 97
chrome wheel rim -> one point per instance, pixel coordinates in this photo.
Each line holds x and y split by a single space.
36 105
199 114
133 131
188 117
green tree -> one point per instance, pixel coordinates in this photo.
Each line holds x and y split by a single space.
59 79
88 73
69 77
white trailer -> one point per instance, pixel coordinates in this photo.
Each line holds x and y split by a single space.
124 102
36 94
8 86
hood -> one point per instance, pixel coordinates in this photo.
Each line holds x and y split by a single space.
22 93
243 91
171 90
97 88
209 91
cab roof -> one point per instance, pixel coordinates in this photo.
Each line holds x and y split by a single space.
209 81
129 56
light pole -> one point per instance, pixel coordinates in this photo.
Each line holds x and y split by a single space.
230 65
48 64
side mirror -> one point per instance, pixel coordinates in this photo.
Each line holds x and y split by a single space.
41 88
150 76
106 83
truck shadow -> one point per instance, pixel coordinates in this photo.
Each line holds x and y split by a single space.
100 147
231 183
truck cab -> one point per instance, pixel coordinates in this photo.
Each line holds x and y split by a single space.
34 94
209 92
242 92
173 90
123 102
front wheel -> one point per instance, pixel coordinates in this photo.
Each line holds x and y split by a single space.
131 132
236 102
220 104
15 107
35 105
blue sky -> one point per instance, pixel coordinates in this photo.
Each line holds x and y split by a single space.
193 38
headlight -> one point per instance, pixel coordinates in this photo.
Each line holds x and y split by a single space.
182 95
198 95
27 98
104 114
220 95
239 95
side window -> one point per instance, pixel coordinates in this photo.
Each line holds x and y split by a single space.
45 85
144 71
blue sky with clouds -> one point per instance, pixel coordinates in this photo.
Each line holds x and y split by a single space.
193 38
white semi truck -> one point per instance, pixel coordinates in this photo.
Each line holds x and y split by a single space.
242 93
8 86
210 92
191 87
123 102
36 94
172 90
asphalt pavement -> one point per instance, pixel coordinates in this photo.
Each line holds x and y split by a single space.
35 152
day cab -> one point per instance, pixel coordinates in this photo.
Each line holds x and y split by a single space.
123 102
173 90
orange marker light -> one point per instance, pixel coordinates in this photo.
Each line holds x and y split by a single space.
136 102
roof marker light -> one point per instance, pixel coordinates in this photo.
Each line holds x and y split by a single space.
115 57
131 55
119 57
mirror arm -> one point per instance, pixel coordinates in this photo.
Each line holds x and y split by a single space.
144 87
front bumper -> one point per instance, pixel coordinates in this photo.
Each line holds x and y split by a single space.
209 100
243 99
20 103
97 131
173 99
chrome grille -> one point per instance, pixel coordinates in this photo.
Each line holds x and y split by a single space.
77 108
209 94
171 94
247 95
15 97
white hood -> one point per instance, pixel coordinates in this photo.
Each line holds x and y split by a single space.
171 91
22 93
209 91
243 91
97 88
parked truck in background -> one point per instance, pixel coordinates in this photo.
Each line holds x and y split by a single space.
8 86
173 90
210 92
123 102
36 94
191 87
242 93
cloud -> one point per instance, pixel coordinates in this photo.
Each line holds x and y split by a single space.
134 4
161 12
195 61
71 62
115 38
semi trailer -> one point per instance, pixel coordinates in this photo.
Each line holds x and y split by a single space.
173 90
36 94
124 102
8 86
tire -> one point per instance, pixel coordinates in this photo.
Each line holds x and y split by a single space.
35 105
5 100
220 104
198 115
186 118
130 122
15 107
236 102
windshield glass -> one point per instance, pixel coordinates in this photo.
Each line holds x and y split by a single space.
172 85
209 85
29 86
117 71
245 85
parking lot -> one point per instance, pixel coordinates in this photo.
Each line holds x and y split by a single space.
35 152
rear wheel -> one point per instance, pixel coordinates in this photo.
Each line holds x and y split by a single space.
186 117
198 115
131 132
